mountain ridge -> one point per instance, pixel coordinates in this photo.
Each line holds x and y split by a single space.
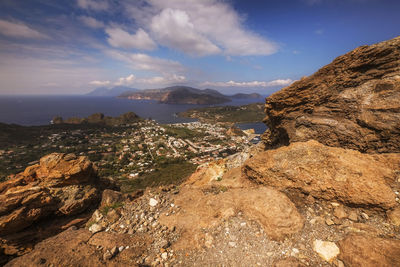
185 95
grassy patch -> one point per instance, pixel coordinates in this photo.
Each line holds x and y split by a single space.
233 114
166 174
181 132
113 206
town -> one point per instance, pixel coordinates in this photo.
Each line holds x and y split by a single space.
138 154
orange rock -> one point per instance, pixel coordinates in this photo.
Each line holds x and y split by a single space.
62 185
329 173
353 103
365 251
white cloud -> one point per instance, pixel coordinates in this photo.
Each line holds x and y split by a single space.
126 80
319 31
173 28
93 4
145 62
163 80
20 30
139 40
99 83
91 22
279 82
155 81
199 27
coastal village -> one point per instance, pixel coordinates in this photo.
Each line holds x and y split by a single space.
136 149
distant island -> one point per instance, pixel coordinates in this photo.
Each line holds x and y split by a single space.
235 114
99 118
186 95
113 91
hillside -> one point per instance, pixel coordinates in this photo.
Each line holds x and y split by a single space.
184 95
235 114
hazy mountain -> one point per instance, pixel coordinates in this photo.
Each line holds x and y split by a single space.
114 91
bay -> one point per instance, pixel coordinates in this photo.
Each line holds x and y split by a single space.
40 110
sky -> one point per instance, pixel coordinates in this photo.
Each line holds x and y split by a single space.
73 46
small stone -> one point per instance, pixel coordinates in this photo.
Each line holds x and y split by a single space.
95 228
164 244
153 202
232 244
335 204
107 255
97 216
164 256
329 221
121 248
340 213
340 263
364 215
114 251
243 224
326 250
208 240
353 216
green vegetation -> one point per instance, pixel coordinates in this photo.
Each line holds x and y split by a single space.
21 146
113 206
232 114
180 132
168 172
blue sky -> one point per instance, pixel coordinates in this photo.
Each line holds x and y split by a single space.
74 46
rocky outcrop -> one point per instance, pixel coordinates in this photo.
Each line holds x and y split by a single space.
78 247
365 251
59 188
99 118
328 173
354 102
217 192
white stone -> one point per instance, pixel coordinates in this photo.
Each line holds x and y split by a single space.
95 228
164 256
364 215
153 202
232 244
121 248
326 250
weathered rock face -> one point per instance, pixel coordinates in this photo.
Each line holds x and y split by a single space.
364 251
328 173
61 186
78 248
217 192
354 102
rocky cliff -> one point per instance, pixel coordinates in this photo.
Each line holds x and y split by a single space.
44 199
354 102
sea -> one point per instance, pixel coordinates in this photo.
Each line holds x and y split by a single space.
39 110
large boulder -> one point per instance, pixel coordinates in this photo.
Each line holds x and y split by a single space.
365 251
329 173
60 186
216 192
354 102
